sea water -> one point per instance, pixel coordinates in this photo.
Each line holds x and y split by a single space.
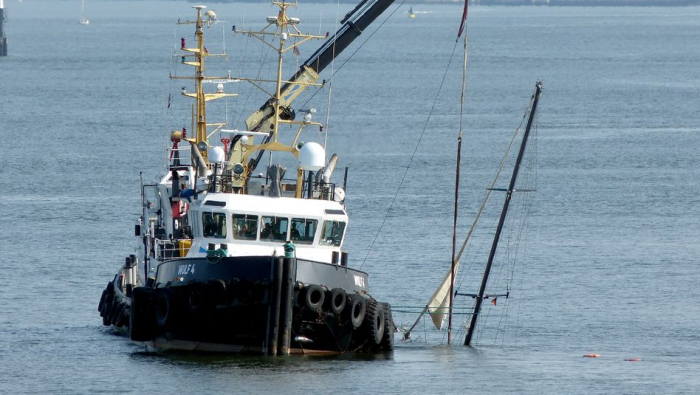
606 262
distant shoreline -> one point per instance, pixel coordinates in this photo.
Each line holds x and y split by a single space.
554 3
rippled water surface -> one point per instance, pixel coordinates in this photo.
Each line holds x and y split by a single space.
606 264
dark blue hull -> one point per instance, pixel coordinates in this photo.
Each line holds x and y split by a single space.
261 305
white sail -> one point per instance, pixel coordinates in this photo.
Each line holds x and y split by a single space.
439 303
83 20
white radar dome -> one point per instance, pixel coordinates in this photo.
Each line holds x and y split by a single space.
216 155
312 157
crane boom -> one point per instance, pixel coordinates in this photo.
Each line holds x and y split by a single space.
355 23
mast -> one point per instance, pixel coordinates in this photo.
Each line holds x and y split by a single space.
197 57
277 110
453 267
354 23
502 219
3 39
454 238
199 78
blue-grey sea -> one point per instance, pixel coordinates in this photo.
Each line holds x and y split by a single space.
606 262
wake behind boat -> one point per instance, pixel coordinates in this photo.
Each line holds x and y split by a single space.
231 260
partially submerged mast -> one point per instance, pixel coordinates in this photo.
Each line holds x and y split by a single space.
509 193
3 39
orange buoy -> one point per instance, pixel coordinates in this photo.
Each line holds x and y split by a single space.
591 355
633 359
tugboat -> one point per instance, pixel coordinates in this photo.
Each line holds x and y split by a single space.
230 260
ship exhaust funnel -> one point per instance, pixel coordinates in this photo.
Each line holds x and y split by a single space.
275 173
199 162
329 169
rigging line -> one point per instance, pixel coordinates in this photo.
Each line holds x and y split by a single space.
522 270
330 84
464 84
529 109
265 51
528 207
504 322
358 48
516 217
485 201
515 236
425 127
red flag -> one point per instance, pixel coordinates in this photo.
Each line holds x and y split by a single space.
296 51
464 19
493 302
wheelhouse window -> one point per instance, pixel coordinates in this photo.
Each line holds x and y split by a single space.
332 233
245 226
303 230
214 225
274 229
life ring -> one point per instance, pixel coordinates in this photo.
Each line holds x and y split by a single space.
163 308
337 299
314 298
374 322
357 310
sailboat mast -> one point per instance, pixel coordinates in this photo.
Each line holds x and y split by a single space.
502 219
453 267
454 239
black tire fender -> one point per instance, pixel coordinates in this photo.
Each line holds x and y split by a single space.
102 300
118 311
163 308
357 310
314 297
141 319
337 300
217 292
106 309
387 343
196 298
374 322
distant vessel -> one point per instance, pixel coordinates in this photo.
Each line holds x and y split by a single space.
411 14
3 39
231 260
83 20
211 16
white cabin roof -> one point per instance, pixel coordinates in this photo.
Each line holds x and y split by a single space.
282 206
